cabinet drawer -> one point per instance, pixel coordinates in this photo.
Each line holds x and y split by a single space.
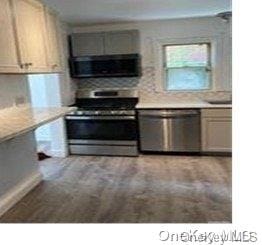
216 112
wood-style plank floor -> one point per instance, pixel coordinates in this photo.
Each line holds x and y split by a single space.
147 189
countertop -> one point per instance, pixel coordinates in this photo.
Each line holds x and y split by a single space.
15 121
180 105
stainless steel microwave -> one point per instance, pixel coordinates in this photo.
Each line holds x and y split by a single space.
105 66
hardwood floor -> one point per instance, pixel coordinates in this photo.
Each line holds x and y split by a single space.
147 189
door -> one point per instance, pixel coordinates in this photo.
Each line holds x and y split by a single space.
31 32
217 134
52 25
85 44
121 42
216 130
8 51
101 128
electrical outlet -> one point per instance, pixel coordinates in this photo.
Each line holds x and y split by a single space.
19 100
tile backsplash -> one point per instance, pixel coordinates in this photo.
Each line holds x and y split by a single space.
95 83
147 89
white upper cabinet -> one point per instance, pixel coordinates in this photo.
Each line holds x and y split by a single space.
29 38
53 40
9 61
31 33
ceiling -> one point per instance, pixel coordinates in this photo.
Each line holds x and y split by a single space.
101 11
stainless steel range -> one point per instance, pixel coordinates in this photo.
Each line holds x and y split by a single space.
104 124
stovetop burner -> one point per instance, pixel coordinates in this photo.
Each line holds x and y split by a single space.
106 102
105 108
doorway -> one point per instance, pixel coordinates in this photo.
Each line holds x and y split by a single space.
45 92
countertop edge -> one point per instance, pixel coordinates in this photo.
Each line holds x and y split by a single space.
33 127
181 106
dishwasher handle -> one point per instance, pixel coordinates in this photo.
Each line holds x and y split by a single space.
169 114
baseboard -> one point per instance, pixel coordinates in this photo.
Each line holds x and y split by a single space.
217 154
61 154
9 199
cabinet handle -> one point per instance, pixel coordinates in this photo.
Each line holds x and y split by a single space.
25 65
54 66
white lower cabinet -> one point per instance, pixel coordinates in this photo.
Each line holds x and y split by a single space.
216 127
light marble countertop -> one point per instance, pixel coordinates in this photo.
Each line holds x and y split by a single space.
180 105
15 121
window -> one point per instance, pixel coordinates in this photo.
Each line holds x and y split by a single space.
187 67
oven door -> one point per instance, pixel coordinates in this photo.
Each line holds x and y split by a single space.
101 128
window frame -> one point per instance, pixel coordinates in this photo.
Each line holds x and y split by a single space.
216 49
209 67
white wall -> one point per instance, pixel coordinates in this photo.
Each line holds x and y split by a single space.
11 87
39 98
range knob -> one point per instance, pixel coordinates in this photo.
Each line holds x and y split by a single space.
79 113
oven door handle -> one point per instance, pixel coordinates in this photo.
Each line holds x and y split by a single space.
100 117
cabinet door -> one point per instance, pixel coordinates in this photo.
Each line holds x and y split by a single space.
53 47
217 134
8 51
121 42
84 44
31 32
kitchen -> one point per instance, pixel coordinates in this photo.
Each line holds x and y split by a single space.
145 112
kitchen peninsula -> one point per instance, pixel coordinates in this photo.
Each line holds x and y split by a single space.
19 170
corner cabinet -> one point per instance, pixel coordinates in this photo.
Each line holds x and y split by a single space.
29 38
216 127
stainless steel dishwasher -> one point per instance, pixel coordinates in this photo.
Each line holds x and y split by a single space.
169 130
